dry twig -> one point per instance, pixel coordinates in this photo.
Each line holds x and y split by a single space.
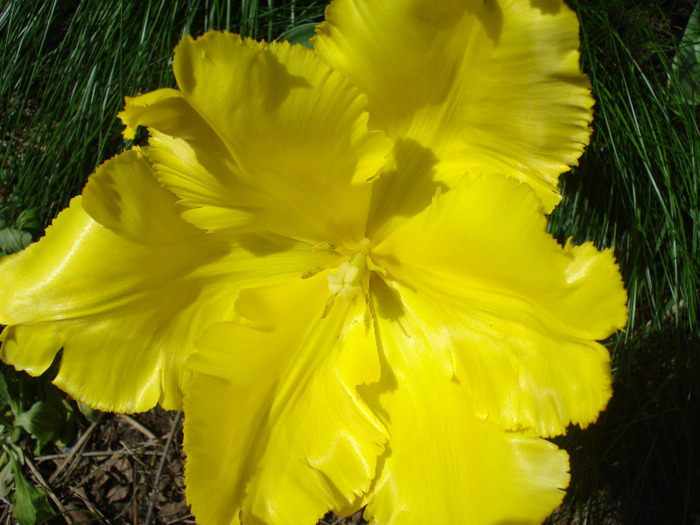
69 463
159 473
138 426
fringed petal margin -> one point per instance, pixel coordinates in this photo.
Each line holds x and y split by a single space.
444 464
286 150
485 85
510 313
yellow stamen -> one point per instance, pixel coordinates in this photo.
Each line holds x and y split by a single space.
348 281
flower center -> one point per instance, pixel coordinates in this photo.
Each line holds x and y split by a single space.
348 281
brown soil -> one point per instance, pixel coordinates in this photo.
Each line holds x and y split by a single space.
125 470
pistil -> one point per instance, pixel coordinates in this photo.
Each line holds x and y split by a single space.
348 281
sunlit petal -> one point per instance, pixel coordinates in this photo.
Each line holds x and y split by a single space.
512 314
443 464
287 438
288 142
160 108
125 290
487 86
192 161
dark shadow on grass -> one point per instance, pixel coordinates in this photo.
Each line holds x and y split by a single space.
639 464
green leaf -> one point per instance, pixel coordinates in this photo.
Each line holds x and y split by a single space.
5 397
686 64
29 220
13 240
300 34
90 413
6 476
42 420
30 505
34 405
66 431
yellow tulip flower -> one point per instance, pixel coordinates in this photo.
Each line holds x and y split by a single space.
336 261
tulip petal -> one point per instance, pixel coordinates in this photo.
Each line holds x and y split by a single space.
288 142
192 161
485 85
287 437
123 284
443 464
507 310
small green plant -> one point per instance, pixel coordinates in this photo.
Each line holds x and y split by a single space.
31 409
30 505
21 233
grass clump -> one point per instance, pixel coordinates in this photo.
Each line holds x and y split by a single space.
66 67
637 189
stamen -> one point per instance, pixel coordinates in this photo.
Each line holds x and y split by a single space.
348 281
325 246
